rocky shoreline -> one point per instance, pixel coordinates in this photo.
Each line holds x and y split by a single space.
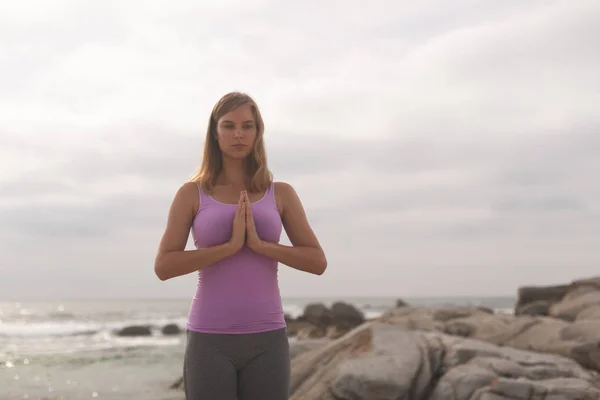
548 349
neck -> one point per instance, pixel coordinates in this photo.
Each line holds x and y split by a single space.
233 173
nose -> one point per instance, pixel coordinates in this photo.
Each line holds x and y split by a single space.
237 133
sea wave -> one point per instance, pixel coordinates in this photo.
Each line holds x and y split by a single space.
73 328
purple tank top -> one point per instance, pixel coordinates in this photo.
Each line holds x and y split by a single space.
239 294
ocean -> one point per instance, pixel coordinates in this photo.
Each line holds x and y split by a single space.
69 351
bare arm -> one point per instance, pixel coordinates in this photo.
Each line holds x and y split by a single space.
306 253
172 259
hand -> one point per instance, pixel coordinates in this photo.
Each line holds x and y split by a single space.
252 239
238 234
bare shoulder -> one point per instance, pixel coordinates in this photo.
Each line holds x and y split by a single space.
187 197
284 188
286 197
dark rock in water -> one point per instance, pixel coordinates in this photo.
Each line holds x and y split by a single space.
317 314
318 321
345 316
401 303
171 329
134 330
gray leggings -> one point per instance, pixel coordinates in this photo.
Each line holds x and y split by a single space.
254 366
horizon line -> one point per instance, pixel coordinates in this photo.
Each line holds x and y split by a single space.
283 298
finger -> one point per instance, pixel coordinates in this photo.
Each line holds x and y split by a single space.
249 217
248 207
240 206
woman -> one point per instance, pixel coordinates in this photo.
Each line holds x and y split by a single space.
237 346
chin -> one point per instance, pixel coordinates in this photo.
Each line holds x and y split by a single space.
236 155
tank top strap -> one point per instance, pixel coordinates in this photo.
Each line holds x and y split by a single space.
204 198
271 190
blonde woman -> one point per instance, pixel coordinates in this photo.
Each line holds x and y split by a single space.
237 346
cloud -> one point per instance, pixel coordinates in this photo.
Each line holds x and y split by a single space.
425 139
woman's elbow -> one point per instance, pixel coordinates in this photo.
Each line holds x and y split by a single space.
160 270
321 265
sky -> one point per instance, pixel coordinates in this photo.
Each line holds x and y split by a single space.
439 147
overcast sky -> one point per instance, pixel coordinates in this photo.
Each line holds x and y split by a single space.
439 147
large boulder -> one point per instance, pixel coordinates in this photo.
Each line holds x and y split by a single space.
570 308
579 340
345 316
317 314
561 301
547 295
386 361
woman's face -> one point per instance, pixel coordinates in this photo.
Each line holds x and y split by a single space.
236 132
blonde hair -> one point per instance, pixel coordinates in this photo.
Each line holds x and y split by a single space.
258 176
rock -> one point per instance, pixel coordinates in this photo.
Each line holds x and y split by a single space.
134 330
582 331
562 301
446 314
459 328
317 320
570 307
293 327
310 332
300 347
401 303
171 329
549 294
386 361
333 332
592 312
540 334
538 307
317 314
592 282
433 319
345 316
393 367
486 310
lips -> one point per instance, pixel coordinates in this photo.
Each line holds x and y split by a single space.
238 146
